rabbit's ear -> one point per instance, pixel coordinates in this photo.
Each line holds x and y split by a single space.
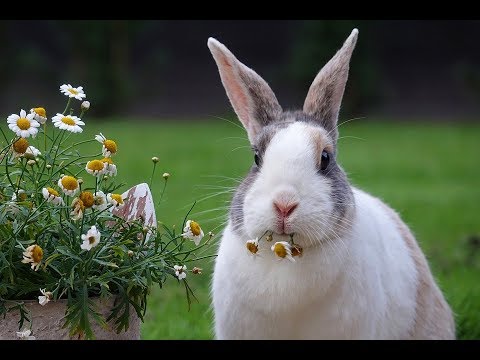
325 94
251 97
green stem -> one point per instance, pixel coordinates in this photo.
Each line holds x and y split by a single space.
153 172
68 104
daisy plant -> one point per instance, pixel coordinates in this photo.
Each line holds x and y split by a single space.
60 235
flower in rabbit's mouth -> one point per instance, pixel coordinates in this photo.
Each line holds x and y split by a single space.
69 185
73 92
33 255
283 250
109 146
23 125
90 239
25 335
252 245
39 114
45 297
180 271
193 231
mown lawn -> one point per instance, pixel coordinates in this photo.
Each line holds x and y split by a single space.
430 173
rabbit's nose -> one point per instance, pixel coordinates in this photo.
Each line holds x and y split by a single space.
284 209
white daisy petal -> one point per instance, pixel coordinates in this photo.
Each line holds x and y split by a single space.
90 239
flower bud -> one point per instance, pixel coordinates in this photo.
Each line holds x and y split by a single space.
130 253
155 159
49 166
85 105
196 270
31 162
166 175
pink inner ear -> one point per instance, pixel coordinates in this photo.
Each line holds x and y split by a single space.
236 92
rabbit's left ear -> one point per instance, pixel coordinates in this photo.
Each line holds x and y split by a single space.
326 92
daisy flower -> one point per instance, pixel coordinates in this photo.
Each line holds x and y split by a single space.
116 199
73 92
22 195
33 255
180 271
95 167
77 209
68 184
87 199
109 146
252 245
52 195
39 114
99 201
68 122
25 335
45 297
90 239
283 250
23 125
32 152
110 167
297 250
20 146
193 231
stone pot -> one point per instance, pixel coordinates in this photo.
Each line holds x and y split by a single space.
47 321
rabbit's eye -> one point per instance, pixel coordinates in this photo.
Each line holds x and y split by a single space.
325 160
257 158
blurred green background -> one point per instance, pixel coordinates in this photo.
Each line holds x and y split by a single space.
413 90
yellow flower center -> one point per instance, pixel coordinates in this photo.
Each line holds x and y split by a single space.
110 145
253 248
195 228
40 111
91 239
87 198
37 254
117 198
52 191
107 160
73 91
279 250
23 123
69 182
95 165
20 146
68 120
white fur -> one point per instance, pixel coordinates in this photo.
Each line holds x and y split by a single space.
361 285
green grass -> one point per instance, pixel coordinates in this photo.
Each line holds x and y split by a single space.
430 173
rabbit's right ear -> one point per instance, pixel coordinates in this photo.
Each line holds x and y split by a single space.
251 97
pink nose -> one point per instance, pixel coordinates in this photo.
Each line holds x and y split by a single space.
284 209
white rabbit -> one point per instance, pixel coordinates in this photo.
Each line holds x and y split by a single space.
362 274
